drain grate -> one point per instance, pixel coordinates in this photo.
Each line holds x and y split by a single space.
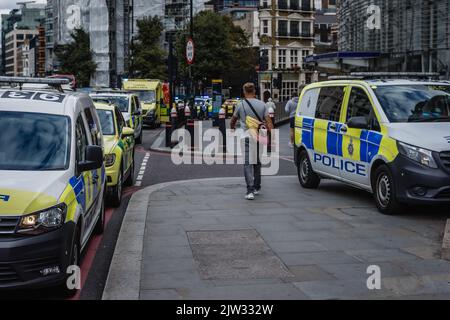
237 254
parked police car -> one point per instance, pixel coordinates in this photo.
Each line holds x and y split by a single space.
389 137
52 182
128 104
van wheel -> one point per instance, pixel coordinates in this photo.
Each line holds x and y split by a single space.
116 197
100 225
384 192
74 261
307 177
130 180
139 139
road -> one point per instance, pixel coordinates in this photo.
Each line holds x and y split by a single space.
158 169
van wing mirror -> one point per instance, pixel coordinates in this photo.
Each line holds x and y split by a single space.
358 123
94 159
127 132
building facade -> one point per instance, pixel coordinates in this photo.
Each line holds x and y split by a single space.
286 38
411 35
325 26
14 41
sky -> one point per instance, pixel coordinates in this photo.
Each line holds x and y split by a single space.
7 5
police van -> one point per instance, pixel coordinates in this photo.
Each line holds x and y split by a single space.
52 182
390 137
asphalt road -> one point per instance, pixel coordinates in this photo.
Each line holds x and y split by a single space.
158 169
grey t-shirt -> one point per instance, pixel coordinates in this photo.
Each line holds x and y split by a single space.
243 109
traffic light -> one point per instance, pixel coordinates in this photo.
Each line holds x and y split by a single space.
264 60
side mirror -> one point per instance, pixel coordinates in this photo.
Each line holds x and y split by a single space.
94 159
127 132
358 123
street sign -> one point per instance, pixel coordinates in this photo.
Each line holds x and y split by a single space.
190 51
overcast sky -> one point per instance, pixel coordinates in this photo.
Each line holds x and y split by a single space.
7 5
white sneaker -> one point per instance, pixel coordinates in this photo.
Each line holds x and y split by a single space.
291 145
250 196
257 192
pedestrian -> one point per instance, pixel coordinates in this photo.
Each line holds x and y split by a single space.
271 104
248 110
291 108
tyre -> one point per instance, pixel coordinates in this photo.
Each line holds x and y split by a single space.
130 180
100 225
385 192
75 257
139 139
116 195
307 177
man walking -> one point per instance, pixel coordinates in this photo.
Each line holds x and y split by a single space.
291 108
271 104
256 109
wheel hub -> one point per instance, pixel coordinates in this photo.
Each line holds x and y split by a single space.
384 190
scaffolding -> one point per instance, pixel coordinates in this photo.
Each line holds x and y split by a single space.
413 32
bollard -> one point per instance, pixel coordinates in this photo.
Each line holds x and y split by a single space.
223 129
272 117
189 125
168 135
173 120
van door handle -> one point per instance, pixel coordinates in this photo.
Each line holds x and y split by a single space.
95 178
333 126
344 129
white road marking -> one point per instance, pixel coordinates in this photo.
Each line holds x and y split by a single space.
143 168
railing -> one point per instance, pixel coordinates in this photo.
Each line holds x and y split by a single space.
281 116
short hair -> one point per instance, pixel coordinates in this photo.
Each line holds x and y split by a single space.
249 88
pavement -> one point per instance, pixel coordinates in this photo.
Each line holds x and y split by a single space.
199 239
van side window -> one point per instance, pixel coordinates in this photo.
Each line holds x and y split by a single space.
309 103
93 128
120 120
359 105
330 103
81 140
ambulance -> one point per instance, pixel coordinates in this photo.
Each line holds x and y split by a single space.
150 93
390 137
52 182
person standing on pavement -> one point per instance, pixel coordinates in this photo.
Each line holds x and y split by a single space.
271 104
251 107
291 108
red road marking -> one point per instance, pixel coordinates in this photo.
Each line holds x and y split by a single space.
94 243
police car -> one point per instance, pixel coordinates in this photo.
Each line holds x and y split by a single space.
389 137
128 104
52 182
119 144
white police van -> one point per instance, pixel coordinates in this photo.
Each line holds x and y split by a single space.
52 181
389 137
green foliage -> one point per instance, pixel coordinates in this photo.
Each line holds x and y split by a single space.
221 50
76 58
148 58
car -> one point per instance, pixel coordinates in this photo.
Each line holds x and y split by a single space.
390 137
128 105
52 184
118 140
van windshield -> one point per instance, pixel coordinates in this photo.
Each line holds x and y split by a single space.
120 102
146 96
107 122
34 141
415 103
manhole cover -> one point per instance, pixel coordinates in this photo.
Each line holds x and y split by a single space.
240 254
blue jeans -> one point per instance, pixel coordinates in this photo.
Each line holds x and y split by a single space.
252 168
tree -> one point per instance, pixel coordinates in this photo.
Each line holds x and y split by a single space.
221 50
76 58
148 58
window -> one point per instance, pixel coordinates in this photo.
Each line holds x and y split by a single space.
295 25
330 103
288 90
282 28
295 5
120 120
93 130
107 122
282 58
81 140
265 27
294 58
306 29
359 105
